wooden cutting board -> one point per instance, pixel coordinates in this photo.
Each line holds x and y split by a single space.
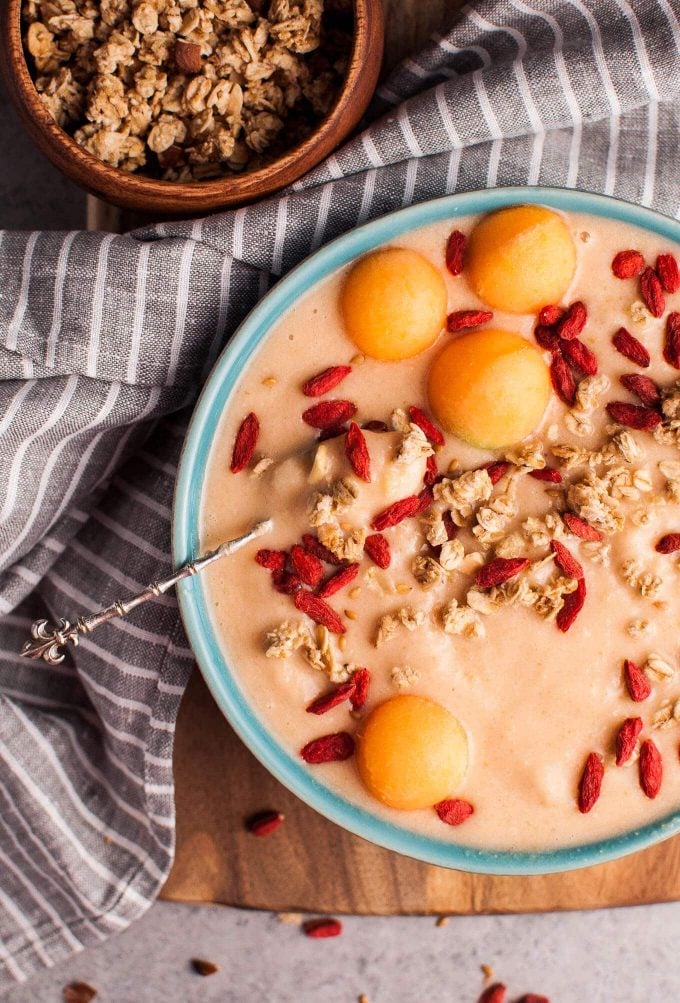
310 863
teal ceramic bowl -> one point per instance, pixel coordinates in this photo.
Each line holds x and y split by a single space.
223 680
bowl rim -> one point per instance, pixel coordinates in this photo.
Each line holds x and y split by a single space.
223 684
139 192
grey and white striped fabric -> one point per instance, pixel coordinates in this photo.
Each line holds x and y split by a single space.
106 341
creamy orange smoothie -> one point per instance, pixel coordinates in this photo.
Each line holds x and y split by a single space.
501 509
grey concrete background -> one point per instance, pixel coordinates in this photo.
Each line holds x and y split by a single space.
610 956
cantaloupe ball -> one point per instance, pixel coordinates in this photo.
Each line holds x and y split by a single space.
412 752
489 387
520 259
393 303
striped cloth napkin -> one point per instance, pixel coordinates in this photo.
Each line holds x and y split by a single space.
105 342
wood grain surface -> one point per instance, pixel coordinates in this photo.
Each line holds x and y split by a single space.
310 863
409 23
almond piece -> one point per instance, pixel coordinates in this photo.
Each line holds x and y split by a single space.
188 57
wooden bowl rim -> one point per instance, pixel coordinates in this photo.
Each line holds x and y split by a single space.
140 192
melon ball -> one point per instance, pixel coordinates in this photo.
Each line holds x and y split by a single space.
521 258
489 387
412 752
393 303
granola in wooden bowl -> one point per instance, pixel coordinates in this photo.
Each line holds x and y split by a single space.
185 106
182 89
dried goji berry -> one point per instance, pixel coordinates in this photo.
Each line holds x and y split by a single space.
334 432
396 512
572 323
551 314
493 994
317 548
375 426
426 425
378 549
628 264
565 560
550 474
449 525
245 442
547 338
329 414
455 252
671 347
579 356
644 389
431 472
562 380
425 499
579 527
356 452
572 606
333 748
308 567
496 470
319 611
627 345
590 784
500 570
286 582
83 992
633 415
460 320
652 292
454 811
361 679
533 998
264 822
668 544
273 560
626 738
651 768
668 272
338 581
637 683
318 928
332 699
325 381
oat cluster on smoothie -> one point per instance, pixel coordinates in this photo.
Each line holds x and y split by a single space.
187 89
469 440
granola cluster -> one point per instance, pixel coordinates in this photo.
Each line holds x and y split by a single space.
668 432
474 517
406 616
315 646
186 89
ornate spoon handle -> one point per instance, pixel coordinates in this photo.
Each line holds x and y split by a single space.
49 639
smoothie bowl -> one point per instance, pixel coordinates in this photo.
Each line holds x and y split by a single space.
459 639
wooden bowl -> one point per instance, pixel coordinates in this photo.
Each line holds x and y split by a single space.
170 198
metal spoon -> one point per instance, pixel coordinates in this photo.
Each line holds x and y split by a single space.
49 639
